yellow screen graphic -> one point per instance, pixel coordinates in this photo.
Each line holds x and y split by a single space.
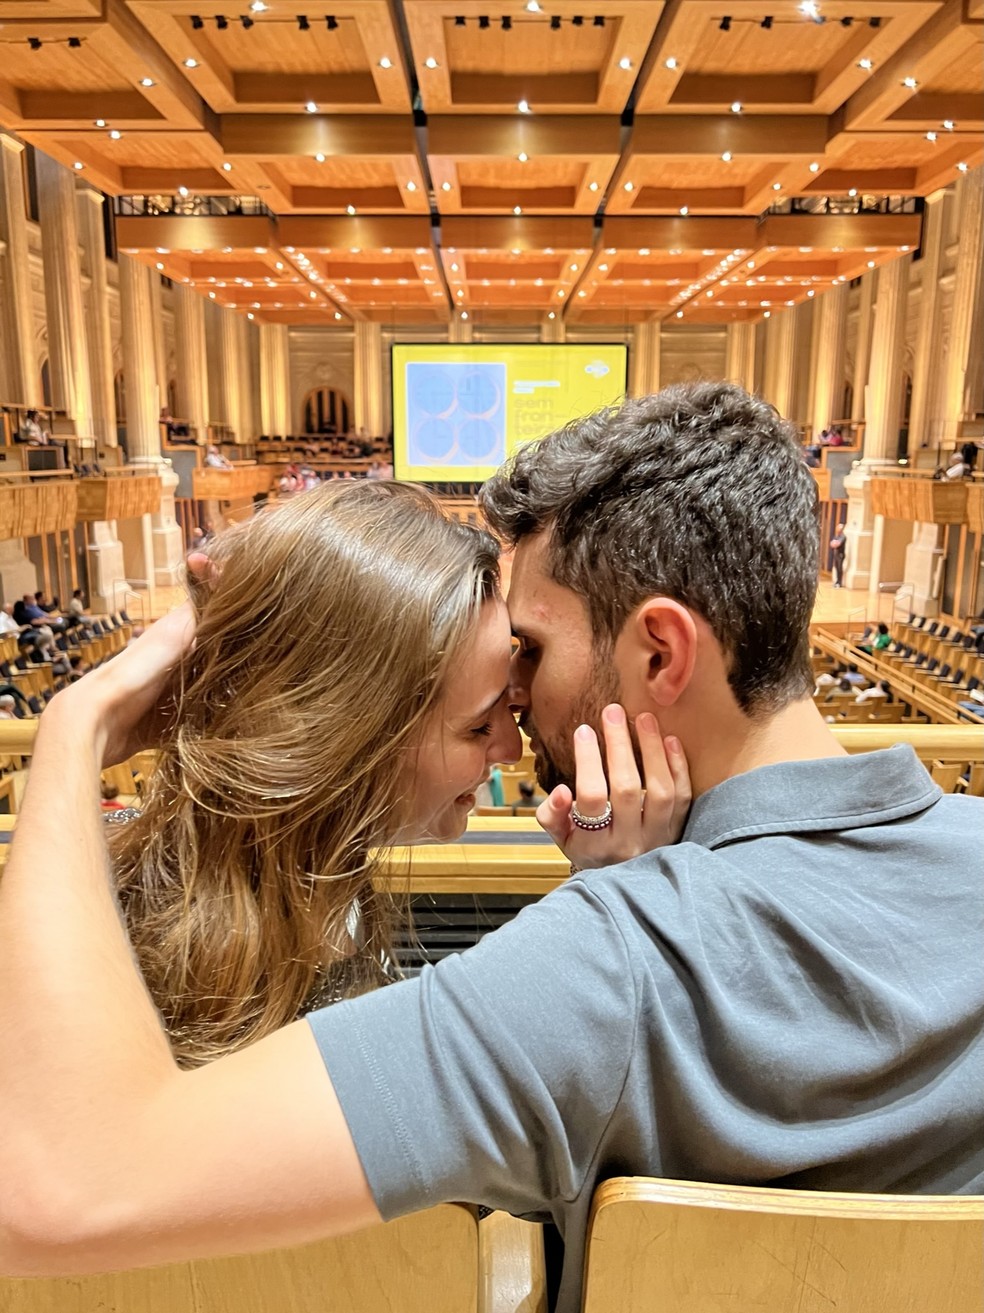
460 411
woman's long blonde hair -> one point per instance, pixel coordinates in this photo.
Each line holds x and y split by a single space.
323 642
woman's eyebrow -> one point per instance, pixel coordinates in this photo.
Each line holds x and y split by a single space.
484 711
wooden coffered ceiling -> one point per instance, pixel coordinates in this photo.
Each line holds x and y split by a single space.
404 160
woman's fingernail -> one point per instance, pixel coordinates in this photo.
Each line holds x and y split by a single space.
672 744
585 733
614 714
646 722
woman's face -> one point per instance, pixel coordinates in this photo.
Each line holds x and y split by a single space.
471 729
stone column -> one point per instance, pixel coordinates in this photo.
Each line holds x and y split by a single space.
232 380
67 354
21 375
192 360
101 373
925 369
152 544
959 362
862 347
644 359
780 344
274 380
881 438
160 345
368 403
740 355
829 329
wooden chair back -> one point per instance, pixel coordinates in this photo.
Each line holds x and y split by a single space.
689 1247
439 1261
947 774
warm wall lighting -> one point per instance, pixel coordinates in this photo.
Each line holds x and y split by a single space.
524 107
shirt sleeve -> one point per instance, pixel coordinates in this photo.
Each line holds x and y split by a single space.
491 1078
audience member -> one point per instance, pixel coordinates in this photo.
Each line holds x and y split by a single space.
8 625
7 705
528 796
957 468
838 548
854 676
875 692
878 641
214 458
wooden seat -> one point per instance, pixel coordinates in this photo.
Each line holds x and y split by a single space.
947 774
684 1247
440 1261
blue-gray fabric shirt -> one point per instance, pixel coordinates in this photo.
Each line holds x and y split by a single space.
793 996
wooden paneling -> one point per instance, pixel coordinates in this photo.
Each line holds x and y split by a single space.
927 501
230 485
118 498
30 509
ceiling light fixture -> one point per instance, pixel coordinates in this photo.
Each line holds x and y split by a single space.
350 209
506 23
191 63
766 22
524 107
522 157
725 23
684 210
963 167
866 64
386 62
78 165
258 7
445 186
625 62
910 83
320 157
303 23
948 124
311 107
430 62
517 209
628 186
115 134
814 167
221 22
736 107
670 63
331 22
411 185
197 22
147 82
726 156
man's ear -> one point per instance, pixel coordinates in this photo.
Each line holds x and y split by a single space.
663 636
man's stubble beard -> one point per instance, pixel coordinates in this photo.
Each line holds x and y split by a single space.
555 761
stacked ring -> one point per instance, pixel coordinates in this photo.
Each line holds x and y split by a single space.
583 822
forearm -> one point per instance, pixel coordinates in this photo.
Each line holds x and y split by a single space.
81 1048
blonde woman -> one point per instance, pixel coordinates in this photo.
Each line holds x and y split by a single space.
303 739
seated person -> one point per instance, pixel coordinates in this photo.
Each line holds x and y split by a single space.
882 691
214 458
7 705
27 612
877 642
528 796
8 625
854 676
32 431
957 468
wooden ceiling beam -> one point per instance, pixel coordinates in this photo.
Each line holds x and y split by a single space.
767 135
844 230
474 136
77 110
335 93
693 233
196 232
465 233
928 110
270 135
786 91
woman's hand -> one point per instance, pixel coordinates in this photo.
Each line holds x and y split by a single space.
122 699
644 815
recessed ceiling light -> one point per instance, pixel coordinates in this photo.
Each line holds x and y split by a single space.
628 186
100 123
211 296
551 315
736 107
948 124
814 167
182 191
445 186
726 156
603 268
910 82
930 136
411 185
522 157
147 82
320 157
871 264
684 210
777 186
852 192
767 315
78 165
866 64
350 209
115 134
625 62
386 62
533 7
227 167
454 268
811 292
249 314
258 7
524 107
430 62
517 209
464 314
670 63
963 167
191 63
311 107
679 314
160 265
592 186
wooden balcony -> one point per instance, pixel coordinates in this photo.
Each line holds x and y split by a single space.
29 509
119 498
822 477
231 485
975 507
918 499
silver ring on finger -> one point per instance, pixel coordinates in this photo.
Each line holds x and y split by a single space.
583 822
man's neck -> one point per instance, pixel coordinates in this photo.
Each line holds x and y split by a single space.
733 744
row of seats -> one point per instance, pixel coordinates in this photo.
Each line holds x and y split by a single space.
37 679
939 656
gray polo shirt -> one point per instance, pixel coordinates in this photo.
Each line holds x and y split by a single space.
791 996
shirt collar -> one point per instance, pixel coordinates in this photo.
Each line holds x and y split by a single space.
833 793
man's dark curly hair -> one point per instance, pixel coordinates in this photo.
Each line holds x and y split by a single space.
699 493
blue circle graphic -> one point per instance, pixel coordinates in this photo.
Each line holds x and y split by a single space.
431 391
479 441
433 440
477 393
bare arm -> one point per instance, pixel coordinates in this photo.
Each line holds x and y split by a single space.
109 1155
